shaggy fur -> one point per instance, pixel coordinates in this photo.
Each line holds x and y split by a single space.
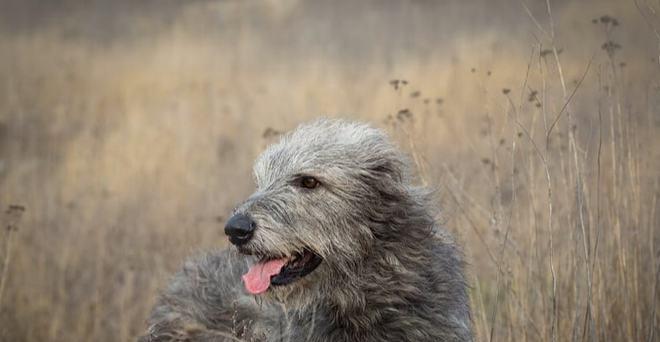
389 273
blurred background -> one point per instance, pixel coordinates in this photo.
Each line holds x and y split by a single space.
128 130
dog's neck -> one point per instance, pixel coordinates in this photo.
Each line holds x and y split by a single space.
375 305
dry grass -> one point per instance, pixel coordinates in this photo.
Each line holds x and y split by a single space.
544 145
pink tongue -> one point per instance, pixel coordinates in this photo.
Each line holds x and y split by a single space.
257 279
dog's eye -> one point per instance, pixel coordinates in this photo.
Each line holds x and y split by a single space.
308 182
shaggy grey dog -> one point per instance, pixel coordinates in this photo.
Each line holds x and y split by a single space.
334 245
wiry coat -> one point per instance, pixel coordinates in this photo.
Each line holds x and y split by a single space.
389 273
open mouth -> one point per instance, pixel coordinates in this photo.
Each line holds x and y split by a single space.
273 271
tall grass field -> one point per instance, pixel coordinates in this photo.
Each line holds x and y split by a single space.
128 130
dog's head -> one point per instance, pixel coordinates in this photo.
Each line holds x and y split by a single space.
321 190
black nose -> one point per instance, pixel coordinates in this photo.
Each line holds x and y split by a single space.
239 229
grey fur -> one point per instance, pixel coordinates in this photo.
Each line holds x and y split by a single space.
389 273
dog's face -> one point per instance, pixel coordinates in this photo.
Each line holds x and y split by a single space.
309 223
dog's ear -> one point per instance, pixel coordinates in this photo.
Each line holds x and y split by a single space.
389 167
